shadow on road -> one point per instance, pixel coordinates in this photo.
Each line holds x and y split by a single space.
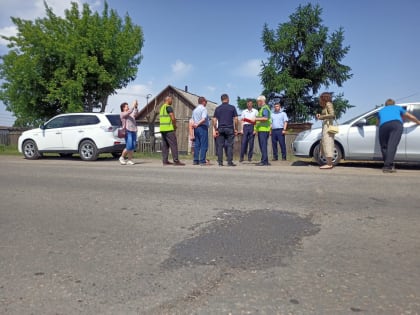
362 164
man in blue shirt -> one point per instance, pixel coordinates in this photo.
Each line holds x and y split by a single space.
390 131
279 121
201 132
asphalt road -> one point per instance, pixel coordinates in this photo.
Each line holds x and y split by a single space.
100 238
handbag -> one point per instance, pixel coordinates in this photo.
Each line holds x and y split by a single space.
121 132
333 128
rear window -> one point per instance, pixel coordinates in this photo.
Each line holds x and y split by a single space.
114 120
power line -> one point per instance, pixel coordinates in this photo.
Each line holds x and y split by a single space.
403 98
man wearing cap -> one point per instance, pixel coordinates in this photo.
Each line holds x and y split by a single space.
248 133
263 122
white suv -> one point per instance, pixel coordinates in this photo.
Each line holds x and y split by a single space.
88 134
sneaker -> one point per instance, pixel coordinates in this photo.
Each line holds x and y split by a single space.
129 162
122 160
389 170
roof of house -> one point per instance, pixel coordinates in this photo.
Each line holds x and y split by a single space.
189 98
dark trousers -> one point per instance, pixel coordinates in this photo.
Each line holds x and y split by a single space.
201 144
169 142
225 135
277 136
389 137
263 142
247 143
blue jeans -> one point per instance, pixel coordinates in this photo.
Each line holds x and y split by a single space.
130 140
201 144
263 142
277 136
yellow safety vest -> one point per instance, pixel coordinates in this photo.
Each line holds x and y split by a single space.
165 120
263 125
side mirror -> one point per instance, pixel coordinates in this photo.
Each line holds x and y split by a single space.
42 126
362 122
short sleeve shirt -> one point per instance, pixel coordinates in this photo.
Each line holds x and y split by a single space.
225 113
390 113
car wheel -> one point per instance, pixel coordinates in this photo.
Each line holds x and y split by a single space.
30 150
88 150
320 158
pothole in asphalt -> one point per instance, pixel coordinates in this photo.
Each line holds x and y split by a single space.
257 239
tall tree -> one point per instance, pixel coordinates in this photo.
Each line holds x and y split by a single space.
303 58
71 64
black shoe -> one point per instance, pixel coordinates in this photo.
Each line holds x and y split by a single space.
167 163
195 163
231 164
284 159
274 159
249 160
263 164
179 163
220 164
241 160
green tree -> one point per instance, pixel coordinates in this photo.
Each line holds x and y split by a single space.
303 58
71 64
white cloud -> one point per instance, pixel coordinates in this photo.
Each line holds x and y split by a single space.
180 69
27 10
129 94
7 31
250 68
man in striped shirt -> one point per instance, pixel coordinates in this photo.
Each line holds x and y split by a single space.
201 132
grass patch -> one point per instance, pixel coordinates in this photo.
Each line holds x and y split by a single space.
8 150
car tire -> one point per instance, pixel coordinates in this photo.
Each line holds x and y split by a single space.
321 160
88 150
30 150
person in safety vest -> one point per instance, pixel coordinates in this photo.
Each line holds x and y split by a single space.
167 129
263 123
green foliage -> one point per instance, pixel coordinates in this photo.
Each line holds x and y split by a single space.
71 64
303 58
242 102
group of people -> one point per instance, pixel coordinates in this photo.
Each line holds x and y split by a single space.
262 122
226 126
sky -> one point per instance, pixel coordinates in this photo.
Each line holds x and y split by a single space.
215 47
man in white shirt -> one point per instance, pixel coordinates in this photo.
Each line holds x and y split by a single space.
279 121
248 133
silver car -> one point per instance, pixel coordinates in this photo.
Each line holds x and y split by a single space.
358 140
